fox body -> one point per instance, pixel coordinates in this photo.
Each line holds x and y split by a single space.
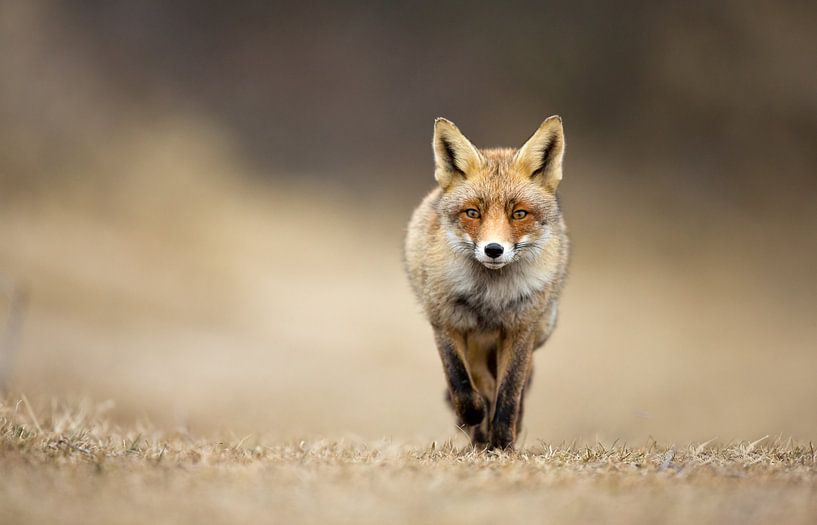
486 254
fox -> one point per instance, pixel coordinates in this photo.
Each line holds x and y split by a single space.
486 253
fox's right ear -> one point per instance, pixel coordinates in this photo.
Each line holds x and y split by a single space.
454 155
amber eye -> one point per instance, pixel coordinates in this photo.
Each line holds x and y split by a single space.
520 214
472 213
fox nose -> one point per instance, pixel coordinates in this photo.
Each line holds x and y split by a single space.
494 250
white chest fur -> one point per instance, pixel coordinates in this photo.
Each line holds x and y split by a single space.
495 289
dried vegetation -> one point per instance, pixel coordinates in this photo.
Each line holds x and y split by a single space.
71 463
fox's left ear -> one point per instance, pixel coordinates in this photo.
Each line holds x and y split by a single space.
541 156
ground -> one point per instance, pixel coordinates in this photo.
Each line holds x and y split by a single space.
70 463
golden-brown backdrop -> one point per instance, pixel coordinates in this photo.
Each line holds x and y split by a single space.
202 208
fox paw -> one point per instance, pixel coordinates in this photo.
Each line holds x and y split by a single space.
473 411
502 438
479 438
470 409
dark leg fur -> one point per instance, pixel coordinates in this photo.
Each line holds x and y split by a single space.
466 401
522 400
513 378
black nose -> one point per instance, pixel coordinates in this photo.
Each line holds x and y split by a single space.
494 250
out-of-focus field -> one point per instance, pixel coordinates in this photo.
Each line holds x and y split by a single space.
71 464
192 296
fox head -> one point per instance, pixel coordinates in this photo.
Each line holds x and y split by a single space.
499 205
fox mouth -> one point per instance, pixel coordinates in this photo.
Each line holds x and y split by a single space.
493 265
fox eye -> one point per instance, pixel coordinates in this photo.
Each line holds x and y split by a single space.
472 213
520 214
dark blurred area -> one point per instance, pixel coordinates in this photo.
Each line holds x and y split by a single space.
181 183
715 102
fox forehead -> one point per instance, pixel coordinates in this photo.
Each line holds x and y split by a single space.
496 184
497 170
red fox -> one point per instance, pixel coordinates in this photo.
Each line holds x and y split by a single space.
486 254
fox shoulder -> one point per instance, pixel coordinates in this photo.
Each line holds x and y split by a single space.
423 231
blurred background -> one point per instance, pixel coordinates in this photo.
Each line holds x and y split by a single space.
202 207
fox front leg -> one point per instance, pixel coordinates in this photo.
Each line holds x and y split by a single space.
467 402
514 369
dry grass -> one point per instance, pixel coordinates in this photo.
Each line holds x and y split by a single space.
70 463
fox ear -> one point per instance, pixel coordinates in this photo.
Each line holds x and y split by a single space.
454 155
541 156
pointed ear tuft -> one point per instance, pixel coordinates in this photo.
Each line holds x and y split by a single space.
541 156
454 155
